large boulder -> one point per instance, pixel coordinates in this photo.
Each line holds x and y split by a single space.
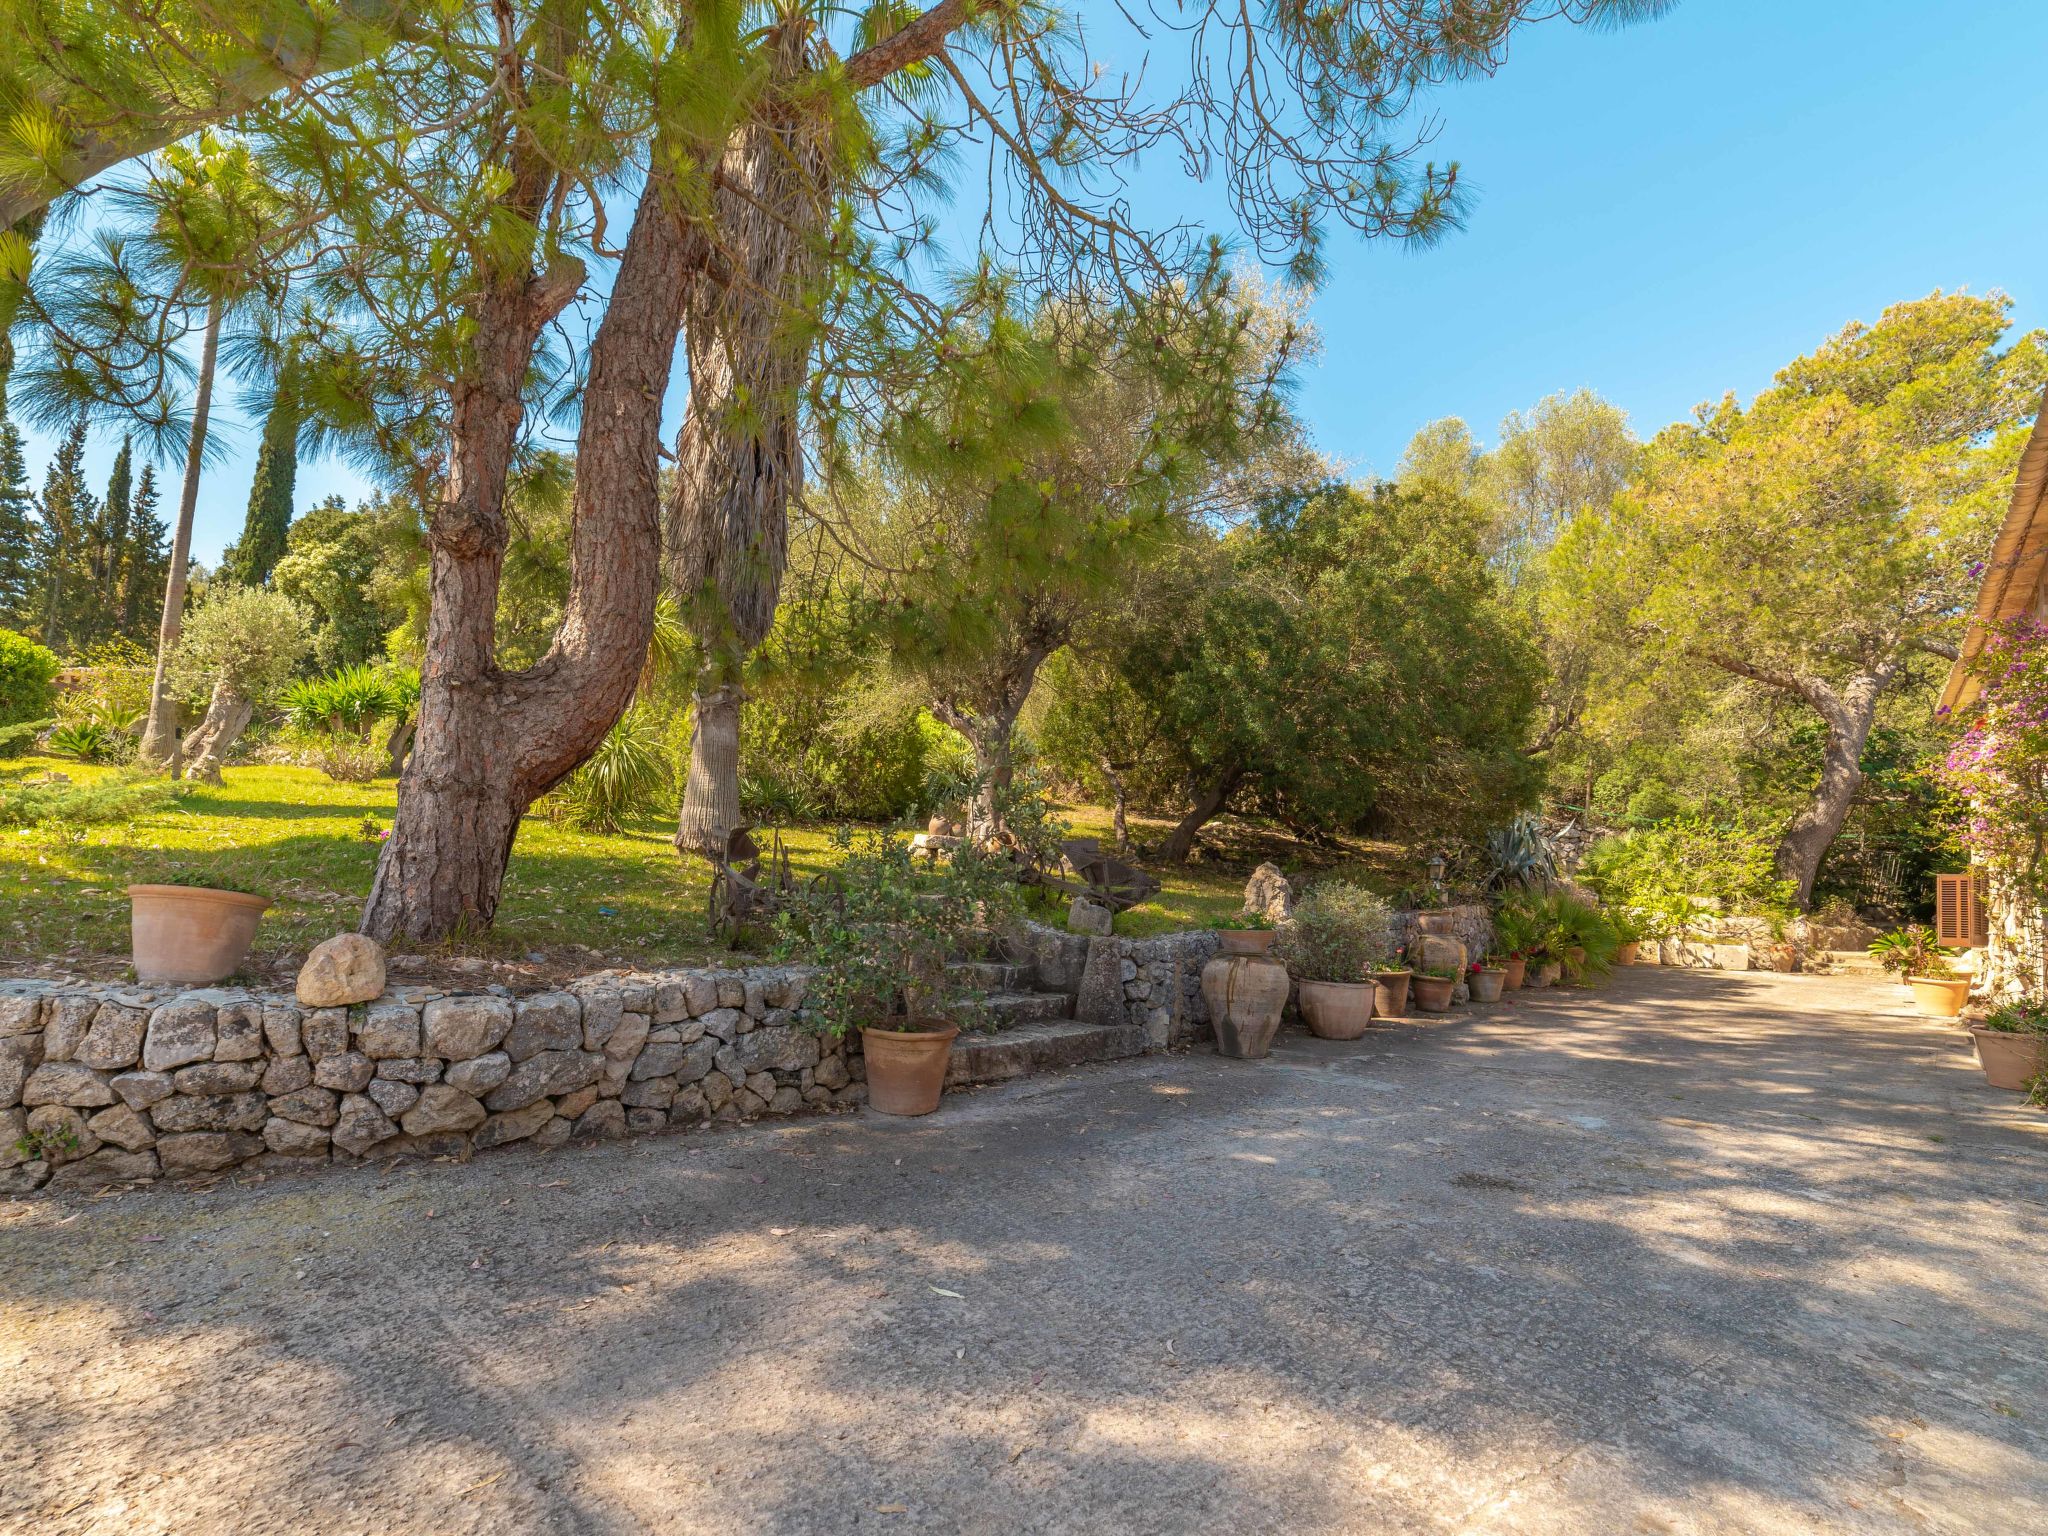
348 968
1085 915
1268 894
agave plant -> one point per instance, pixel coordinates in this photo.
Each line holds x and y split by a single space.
1521 855
87 741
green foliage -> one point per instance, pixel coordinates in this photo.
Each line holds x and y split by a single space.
1652 874
1912 951
87 741
1519 854
630 775
248 640
348 701
250 560
1339 932
28 674
353 571
2022 1016
1558 926
110 802
1245 922
879 932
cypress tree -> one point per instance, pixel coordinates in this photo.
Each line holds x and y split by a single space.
112 556
68 510
17 530
250 559
145 565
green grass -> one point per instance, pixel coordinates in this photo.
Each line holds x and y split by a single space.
308 843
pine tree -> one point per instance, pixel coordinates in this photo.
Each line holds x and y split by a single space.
17 529
146 562
250 559
68 511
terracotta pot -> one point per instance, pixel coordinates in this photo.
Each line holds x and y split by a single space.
907 1067
2009 1060
1939 999
1486 983
1337 1010
190 934
1245 941
1625 954
1433 993
1246 995
1390 994
1440 921
1515 965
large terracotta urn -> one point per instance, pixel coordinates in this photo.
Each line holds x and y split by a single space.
1246 995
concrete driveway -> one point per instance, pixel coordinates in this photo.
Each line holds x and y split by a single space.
1693 1253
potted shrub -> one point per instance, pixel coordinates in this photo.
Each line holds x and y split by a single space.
191 927
1433 986
2012 1046
1515 935
1246 933
1485 981
1576 939
1390 980
878 934
1628 937
1337 935
1921 964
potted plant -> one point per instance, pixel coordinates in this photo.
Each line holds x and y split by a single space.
1390 980
878 934
1514 934
1433 986
2012 1046
192 926
1245 933
1485 981
1628 936
1912 954
1337 934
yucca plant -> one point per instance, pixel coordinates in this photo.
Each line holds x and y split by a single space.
86 741
628 775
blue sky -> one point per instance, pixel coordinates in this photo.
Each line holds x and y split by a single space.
1661 214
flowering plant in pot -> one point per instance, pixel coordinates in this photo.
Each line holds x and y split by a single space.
1433 986
1922 966
1390 979
1484 980
1515 934
2012 1047
1246 933
191 923
878 934
1338 933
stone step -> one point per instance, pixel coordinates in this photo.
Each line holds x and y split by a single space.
1040 1047
989 975
1855 962
1012 1009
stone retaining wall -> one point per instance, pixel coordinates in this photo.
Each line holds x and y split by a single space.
1153 984
117 1084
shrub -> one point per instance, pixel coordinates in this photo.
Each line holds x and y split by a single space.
109 686
2024 1016
1912 951
27 676
1339 932
1654 873
1547 926
246 638
106 803
347 701
349 762
87 741
628 775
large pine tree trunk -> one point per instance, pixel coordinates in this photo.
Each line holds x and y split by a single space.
488 743
1849 715
739 462
159 745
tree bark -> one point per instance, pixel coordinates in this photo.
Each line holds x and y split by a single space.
739 460
1849 715
1209 803
488 743
227 716
1119 824
159 745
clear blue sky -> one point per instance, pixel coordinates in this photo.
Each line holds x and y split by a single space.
1662 214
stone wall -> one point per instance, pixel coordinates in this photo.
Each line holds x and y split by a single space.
1153 984
115 1084
2014 961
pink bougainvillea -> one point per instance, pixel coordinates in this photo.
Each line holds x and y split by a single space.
1998 767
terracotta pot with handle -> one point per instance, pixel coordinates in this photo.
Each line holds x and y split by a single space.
1337 1010
190 934
1245 995
907 1067
2010 1059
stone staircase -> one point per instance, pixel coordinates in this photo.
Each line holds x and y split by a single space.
1034 1027
1853 962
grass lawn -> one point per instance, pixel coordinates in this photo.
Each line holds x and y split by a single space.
310 844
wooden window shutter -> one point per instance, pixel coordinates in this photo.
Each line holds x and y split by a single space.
1952 904
1980 915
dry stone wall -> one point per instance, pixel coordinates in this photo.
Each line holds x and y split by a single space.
105 1085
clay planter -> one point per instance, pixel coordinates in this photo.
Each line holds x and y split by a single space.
1337 1010
1245 941
1625 954
1246 995
2009 1060
1515 966
1390 994
1433 993
190 934
1486 984
907 1068
1939 999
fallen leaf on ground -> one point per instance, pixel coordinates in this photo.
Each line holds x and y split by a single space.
940 1290
892 1509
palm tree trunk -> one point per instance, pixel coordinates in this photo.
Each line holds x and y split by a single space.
159 746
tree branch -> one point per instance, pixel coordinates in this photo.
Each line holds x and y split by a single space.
916 42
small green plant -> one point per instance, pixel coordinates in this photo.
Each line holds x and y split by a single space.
1557 926
87 741
45 1146
1441 972
1912 951
1515 931
198 870
1245 922
2024 1016
111 802
1339 932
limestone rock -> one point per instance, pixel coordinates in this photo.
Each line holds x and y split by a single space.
603 1011
21 1013
554 1133
723 1023
479 1075
1085 915
573 1104
65 1021
701 993
205 1151
628 1038
770 1049
24 1178
603 1120
217 1077
60 1134
211 1112
324 1032
689 1105
389 1030
547 1021
290 1138
831 1072
732 990
308 1106
239 1031
514 1125
348 1072
285 1074
410 1069
640 1121
361 1125
348 968
19 1056
123 1127
281 1029
544 1075
650 1093
394 1098
442 1108
114 1040
179 1033
13 1126
458 1028
67 1082
139 1090
1269 893
109 1165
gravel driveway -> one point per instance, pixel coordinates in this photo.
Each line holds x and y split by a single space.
1694 1253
